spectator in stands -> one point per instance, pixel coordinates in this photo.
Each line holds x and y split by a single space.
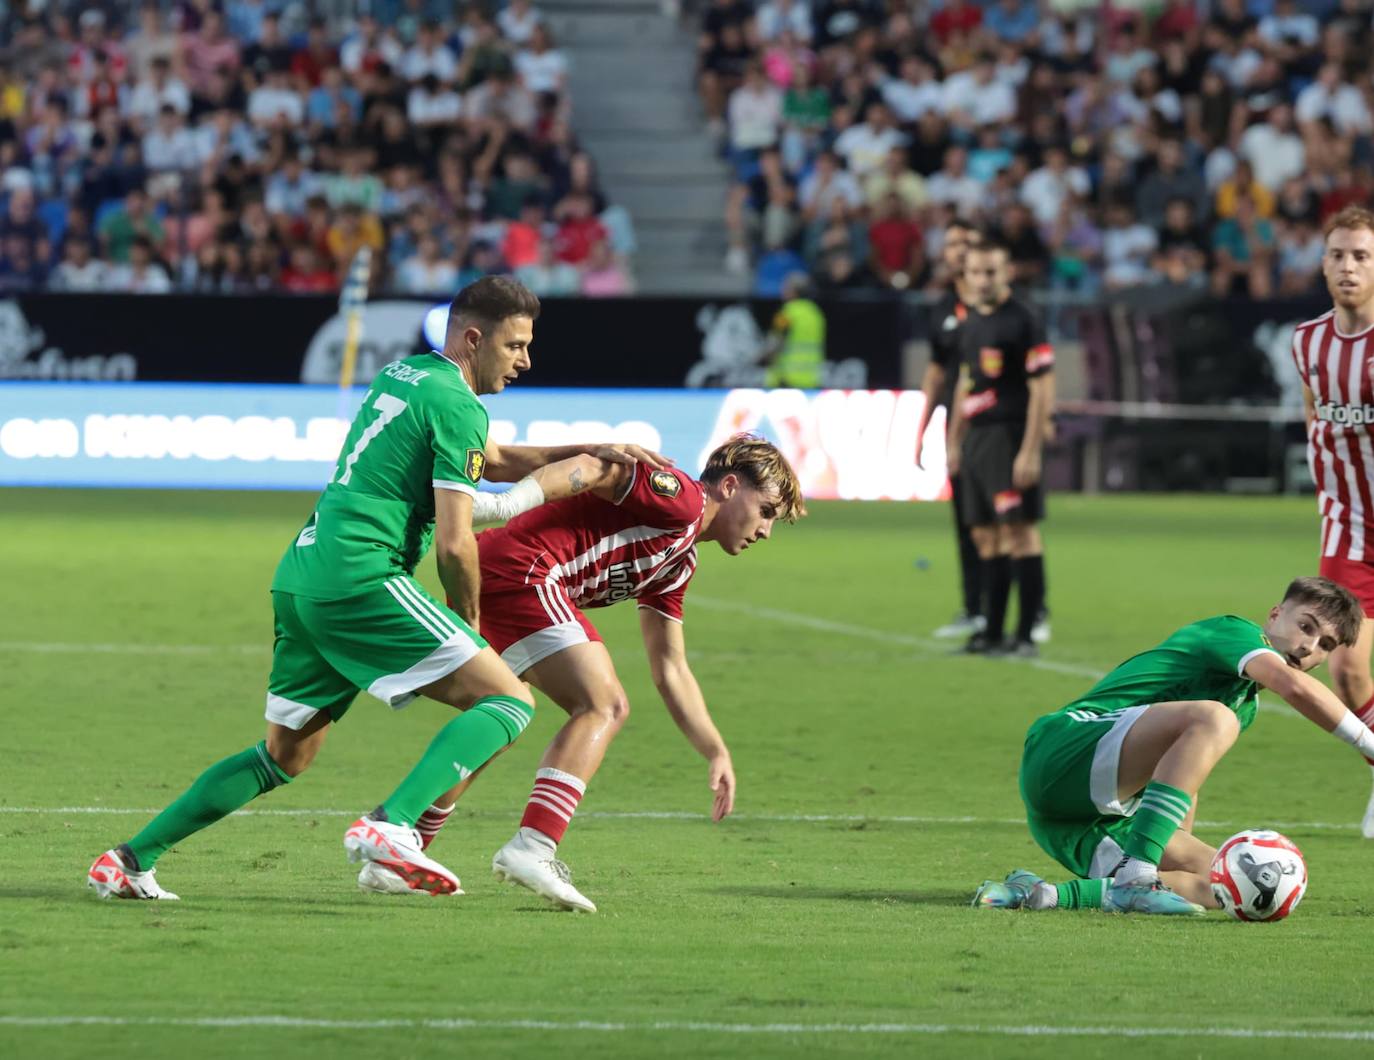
1300 258
896 255
20 271
865 146
1171 179
763 206
170 147
723 58
518 20
1242 184
1128 246
1050 186
548 277
541 66
1243 252
124 224
1182 255
604 275
209 51
579 229
827 181
1027 250
952 186
428 271
141 273
78 270
894 176
1273 148
157 90
755 119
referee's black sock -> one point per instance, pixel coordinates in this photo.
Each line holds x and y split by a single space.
971 566
996 592
1030 576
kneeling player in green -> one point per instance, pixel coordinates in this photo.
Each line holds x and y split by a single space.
350 615
1110 782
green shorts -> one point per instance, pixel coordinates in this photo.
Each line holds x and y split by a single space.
389 641
1069 785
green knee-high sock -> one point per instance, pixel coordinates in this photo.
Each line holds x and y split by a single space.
218 792
1163 809
1081 894
458 750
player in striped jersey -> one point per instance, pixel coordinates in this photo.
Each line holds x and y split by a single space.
633 535
1334 355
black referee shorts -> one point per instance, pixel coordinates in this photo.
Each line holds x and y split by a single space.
986 493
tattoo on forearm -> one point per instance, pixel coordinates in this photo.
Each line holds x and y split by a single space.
576 480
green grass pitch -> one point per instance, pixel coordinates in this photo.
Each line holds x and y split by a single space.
829 917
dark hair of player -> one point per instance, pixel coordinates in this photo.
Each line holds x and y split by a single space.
761 465
1330 602
1351 216
492 299
986 242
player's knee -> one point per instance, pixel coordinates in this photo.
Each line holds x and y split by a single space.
1216 720
613 707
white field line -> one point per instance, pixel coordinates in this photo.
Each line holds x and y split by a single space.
670 815
691 1027
34 647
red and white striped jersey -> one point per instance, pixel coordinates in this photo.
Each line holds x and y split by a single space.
1340 443
597 552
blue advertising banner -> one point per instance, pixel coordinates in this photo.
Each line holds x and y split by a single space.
851 444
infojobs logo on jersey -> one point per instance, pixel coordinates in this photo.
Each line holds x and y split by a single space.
1345 415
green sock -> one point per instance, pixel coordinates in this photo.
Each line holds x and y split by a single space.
218 792
1081 894
1162 810
459 749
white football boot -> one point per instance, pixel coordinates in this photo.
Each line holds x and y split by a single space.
534 866
399 849
1367 826
375 878
109 877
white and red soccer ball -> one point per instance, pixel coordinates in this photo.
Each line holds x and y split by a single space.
1259 875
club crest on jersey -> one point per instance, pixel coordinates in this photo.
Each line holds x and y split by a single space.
990 361
475 464
665 484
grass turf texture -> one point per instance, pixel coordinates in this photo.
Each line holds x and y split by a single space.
135 644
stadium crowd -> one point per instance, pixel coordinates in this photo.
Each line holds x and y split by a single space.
1111 145
248 147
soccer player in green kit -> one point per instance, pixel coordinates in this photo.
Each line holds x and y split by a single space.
350 616
1110 782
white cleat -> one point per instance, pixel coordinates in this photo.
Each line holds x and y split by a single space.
109 877
1367 826
1040 632
533 867
961 627
399 849
375 878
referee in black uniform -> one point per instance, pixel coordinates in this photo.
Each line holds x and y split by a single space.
996 441
947 318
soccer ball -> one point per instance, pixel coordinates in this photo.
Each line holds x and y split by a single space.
1259 875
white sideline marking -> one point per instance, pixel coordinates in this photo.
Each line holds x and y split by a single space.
676 815
690 1027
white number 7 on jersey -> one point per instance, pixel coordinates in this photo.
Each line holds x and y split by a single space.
390 407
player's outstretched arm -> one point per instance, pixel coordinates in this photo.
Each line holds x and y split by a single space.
455 552
509 463
567 478
1310 698
667 651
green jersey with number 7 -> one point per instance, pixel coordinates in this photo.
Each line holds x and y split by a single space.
420 428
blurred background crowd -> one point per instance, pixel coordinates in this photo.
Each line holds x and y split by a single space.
1190 142
256 146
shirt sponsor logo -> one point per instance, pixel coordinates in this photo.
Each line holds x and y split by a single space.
1038 357
978 403
990 361
475 464
665 484
1006 501
1345 415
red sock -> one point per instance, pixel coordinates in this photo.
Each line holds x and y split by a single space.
430 822
553 802
1366 715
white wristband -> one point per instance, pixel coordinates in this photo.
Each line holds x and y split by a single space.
499 507
1354 732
